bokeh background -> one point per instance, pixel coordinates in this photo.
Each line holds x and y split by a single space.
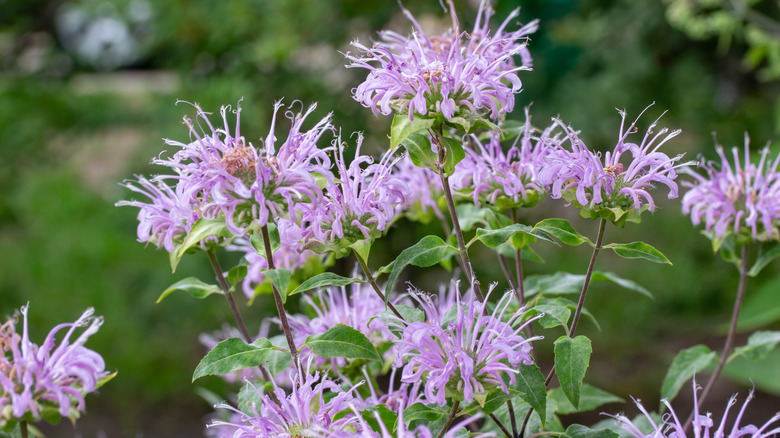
87 92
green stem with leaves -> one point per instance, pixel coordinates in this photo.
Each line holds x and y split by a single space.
269 256
450 419
729 344
373 284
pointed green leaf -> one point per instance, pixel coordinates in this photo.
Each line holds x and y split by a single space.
232 354
556 312
759 345
419 148
571 361
687 362
638 250
343 341
419 411
325 279
564 283
590 399
410 315
455 154
494 238
488 403
766 253
530 382
278 360
580 431
563 231
385 415
429 251
192 286
279 278
402 128
236 274
762 306
625 283
362 248
203 229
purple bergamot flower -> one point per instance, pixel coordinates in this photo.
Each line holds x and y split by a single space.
611 186
738 198
702 425
36 381
467 357
454 74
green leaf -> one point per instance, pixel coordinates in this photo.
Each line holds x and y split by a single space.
280 278
233 354
325 279
571 361
625 283
489 402
580 431
402 128
638 250
556 312
759 345
236 274
494 238
684 366
590 399
455 154
419 148
385 415
766 253
563 231
278 359
343 341
192 286
762 306
564 283
249 396
256 239
410 314
203 229
419 411
429 251
530 382
362 248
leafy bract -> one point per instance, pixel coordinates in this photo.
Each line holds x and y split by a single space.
687 363
343 341
192 286
429 251
233 354
572 357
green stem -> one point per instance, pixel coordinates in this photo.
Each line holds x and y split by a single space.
232 303
450 419
23 427
519 267
373 284
269 256
743 275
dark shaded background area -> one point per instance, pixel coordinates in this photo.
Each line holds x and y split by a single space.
87 91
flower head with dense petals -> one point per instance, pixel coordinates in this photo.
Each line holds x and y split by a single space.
504 179
455 74
309 410
360 202
466 357
736 198
671 427
609 186
50 376
219 173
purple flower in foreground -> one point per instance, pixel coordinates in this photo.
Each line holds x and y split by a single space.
465 357
33 378
736 198
309 410
360 202
219 173
604 185
504 179
671 427
403 431
457 73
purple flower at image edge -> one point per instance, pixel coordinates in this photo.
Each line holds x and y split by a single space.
53 375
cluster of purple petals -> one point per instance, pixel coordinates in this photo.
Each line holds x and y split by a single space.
735 197
362 198
492 173
219 173
595 181
356 308
305 411
469 355
54 374
671 427
457 72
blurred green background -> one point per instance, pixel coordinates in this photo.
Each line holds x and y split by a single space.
87 92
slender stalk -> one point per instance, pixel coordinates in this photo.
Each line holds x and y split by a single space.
743 275
373 284
501 425
580 303
233 307
507 274
23 427
519 267
512 418
269 256
445 183
450 419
